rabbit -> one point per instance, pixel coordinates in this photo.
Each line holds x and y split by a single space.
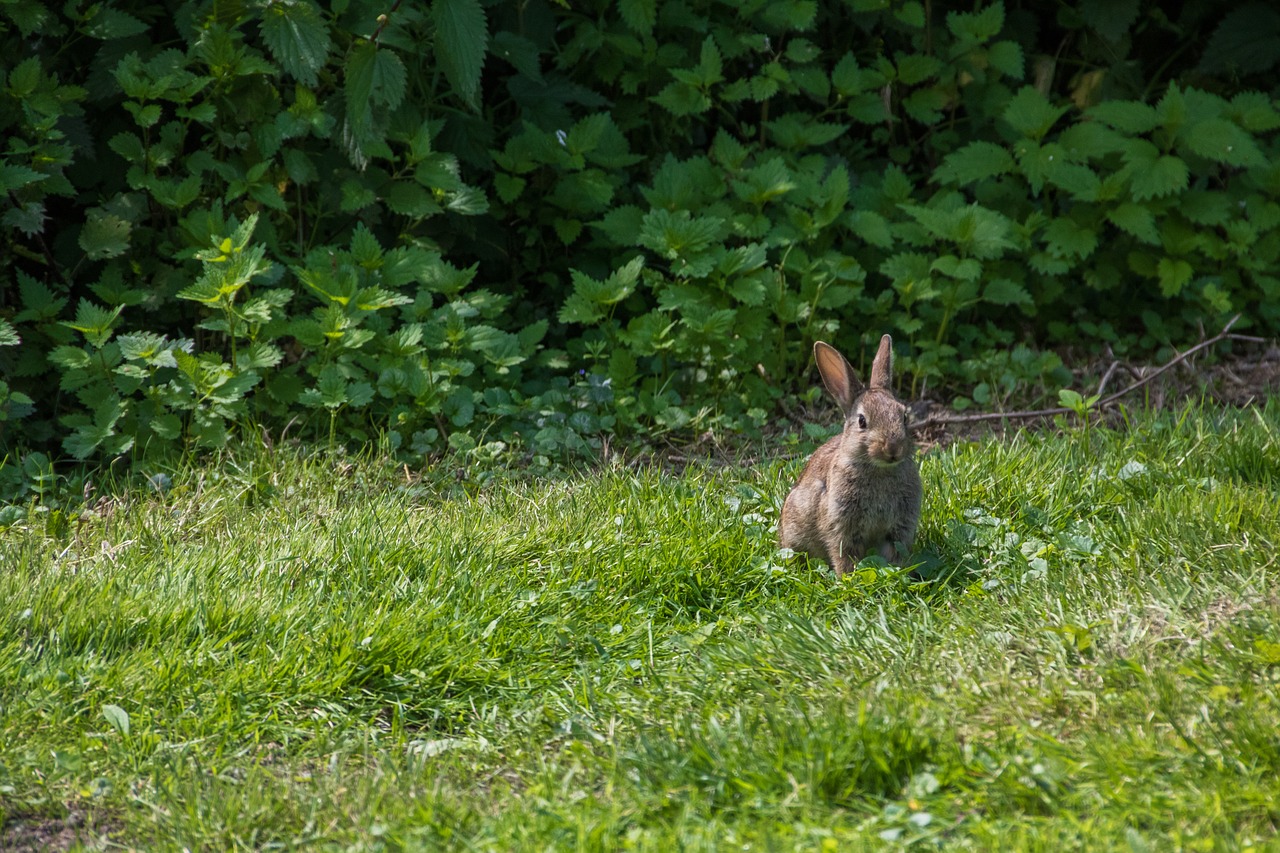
860 492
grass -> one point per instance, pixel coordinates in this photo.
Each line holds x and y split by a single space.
297 653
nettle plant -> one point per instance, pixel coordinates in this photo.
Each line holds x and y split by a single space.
271 192
930 192
479 227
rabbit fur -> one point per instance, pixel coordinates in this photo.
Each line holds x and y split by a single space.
860 492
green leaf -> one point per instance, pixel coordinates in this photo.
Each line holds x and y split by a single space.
621 225
39 303
330 390
1206 207
118 718
872 227
682 99
8 334
678 234
1224 141
795 131
1003 291
1136 219
1087 140
1006 57
1031 114
108 24
298 37
104 235
1246 42
14 177
1173 273
462 37
521 52
94 322
1152 174
1066 238
1255 112
29 218
1131 117
915 68
639 15
977 161
70 358
1110 19
847 78
911 13
977 27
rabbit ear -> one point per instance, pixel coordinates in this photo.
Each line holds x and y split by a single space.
837 375
882 367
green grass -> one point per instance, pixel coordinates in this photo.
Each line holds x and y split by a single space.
320 656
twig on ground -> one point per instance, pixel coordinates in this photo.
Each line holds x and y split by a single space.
1224 335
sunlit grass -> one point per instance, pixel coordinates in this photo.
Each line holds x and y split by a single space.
309 654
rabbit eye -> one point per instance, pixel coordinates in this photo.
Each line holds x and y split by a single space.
862 421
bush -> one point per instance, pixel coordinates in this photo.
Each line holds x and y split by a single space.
449 224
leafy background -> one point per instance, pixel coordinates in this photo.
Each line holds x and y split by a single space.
516 228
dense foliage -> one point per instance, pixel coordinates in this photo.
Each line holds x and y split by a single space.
449 223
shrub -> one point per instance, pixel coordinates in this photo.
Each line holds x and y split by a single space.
449 225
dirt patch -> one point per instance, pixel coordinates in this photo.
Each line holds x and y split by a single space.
51 835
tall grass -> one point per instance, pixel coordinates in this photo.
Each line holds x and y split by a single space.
309 654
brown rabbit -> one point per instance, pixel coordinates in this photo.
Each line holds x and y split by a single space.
859 492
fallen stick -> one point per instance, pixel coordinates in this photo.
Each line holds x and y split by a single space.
1224 335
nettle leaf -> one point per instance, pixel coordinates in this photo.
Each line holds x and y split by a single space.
1066 238
848 79
765 182
1131 117
28 218
374 76
1006 57
682 99
915 68
639 15
795 131
1174 273
1206 207
104 235
1078 180
70 358
108 24
462 38
39 303
591 296
977 27
926 105
331 390
872 227
977 161
1255 112
1152 174
966 269
94 322
1091 139
1135 219
1004 291
298 37
1224 141
679 233
1247 41
8 334
621 224
1110 19
1031 114
14 177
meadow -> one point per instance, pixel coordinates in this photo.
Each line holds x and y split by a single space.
281 651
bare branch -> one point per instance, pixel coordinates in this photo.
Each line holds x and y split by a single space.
1225 334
